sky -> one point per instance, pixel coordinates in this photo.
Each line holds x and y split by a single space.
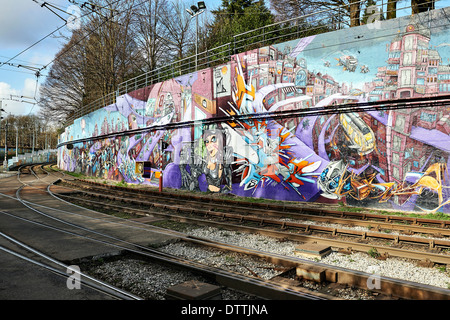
25 22
22 24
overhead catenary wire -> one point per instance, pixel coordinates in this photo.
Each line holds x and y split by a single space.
42 39
92 31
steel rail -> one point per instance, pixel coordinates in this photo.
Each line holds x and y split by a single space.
402 288
299 213
278 257
391 251
269 289
432 243
84 278
297 207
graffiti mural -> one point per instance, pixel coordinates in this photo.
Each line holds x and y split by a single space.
383 158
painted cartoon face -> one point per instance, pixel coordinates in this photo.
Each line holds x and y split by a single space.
211 145
330 178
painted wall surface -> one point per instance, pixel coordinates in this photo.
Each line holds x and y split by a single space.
392 159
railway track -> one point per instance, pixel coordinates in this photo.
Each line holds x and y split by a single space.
157 208
433 246
263 288
24 252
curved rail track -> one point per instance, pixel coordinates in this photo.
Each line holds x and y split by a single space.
64 225
59 268
419 241
190 205
62 220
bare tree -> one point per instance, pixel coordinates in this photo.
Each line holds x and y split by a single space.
180 37
338 10
64 88
151 34
112 55
95 59
391 9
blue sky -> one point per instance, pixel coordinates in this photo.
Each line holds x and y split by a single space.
24 22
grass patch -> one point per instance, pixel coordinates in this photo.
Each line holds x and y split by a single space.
351 209
173 225
74 174
122 183
373 253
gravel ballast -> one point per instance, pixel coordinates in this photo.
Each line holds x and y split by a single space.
152 280
392 267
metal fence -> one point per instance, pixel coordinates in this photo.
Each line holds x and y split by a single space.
40 156
295 28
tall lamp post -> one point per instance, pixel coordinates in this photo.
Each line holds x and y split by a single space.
194 11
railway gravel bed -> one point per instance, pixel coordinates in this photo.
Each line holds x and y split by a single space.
392 267
149 280
397 268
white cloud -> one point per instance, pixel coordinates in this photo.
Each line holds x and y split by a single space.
31 88
9 95
6 90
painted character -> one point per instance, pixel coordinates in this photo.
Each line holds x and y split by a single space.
330 179
217 164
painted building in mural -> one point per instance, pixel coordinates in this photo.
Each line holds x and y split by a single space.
383 158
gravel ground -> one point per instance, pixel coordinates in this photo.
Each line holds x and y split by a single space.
391 267
150 280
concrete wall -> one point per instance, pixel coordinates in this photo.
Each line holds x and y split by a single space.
383 158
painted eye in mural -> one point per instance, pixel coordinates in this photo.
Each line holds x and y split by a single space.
323 176
211 140
334 183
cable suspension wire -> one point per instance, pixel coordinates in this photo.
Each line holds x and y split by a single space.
92 31
45 37
398 104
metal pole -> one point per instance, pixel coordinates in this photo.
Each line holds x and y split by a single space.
160 166
196 42
34 131
5 163
17 139
1 102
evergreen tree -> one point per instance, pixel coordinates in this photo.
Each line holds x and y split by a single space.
235 17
